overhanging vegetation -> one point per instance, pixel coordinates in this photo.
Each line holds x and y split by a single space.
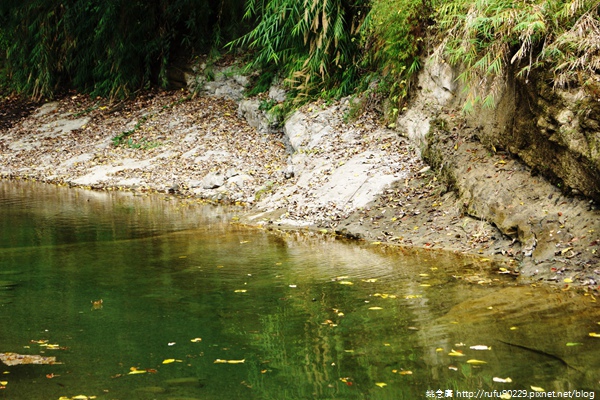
326 48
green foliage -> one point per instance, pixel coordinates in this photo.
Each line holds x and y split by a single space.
108 48
314 44
486 36
394 32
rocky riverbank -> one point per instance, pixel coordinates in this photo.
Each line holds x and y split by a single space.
355 179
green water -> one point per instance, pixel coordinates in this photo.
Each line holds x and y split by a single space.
311 317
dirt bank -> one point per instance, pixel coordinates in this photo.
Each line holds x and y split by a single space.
198 147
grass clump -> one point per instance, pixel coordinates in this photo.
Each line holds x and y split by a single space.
486 37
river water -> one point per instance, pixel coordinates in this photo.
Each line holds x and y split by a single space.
149 297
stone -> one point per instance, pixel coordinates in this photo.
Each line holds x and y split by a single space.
213 180
263 120
277 93
238 181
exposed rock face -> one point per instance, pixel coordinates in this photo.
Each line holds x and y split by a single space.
333 169
555 133
558 132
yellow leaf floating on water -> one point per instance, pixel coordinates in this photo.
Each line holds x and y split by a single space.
513 328
537 389
137 371
502 380
376 243
425 285
568 280
219 361
346 283
405 372
3 383
371 280
240 290
476 362
196 340
381 384
170 360
455 353
594 334
375 308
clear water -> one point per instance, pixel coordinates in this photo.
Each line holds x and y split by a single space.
170 271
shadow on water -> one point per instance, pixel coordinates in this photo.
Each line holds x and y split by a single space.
193 307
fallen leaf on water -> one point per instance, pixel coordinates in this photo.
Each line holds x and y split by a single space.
502 380
196 340
452 367
476 362
244 241
455 353
570 344
425 285
537 389
3 383
371 280
513 328
381 384
240 290
375 308
346 283
405 372
480 347
424 275
568 280
594 334
170 360
439 349
376 243
134 371
219 361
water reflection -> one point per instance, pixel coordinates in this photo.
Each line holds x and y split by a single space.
311 317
